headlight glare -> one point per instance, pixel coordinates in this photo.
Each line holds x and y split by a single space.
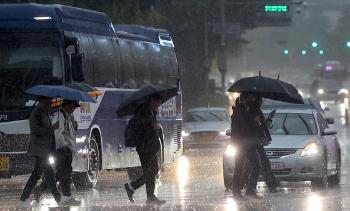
310 150
320 91
184 133
230 151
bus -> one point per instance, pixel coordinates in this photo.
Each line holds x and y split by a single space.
58 44
334 70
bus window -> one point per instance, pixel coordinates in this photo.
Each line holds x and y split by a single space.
128 64
171 65
158 75
106 61
141 64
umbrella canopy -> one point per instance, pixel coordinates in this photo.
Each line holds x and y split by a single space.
132 102
269 88
93 92
54 91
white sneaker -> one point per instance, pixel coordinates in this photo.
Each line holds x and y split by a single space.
24 204
64 200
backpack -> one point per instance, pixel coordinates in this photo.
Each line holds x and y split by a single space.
130 137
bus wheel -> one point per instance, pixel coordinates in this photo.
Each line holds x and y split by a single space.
86 180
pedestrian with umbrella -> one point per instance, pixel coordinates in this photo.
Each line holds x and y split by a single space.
42 145
42 137
247 125
144 130
65 140
244 136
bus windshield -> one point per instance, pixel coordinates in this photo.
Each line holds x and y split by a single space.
27 59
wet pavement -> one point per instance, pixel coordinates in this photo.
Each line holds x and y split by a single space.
195 182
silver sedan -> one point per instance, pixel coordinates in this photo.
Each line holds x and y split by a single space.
303 148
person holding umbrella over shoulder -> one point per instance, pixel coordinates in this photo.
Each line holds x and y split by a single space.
42 145
265 138
146 130
244 136
65 150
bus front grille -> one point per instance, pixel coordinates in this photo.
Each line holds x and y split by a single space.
177 137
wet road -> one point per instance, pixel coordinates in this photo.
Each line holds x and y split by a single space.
195 182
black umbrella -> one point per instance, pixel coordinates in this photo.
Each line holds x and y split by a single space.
269 88
132 102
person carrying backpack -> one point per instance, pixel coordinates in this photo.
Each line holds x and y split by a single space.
143 132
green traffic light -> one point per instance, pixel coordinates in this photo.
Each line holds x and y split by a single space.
286 52
303 52
321 52
348 44
314 44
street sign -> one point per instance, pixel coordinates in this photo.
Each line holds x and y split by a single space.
229 28
274 13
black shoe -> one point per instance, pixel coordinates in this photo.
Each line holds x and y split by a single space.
129 192
37 194
237 196
253 195
155 201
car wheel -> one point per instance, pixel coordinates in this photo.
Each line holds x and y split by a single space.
86 180
321 182
335 179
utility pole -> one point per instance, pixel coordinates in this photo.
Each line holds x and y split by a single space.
222 55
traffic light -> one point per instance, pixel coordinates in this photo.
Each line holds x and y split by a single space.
348 44
321 52
314 44
286 52
303 52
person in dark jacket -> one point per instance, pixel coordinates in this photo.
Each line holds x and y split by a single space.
65 150
265 139
244 136
147 130
42 145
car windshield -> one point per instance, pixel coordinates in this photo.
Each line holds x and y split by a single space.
27 59
293 124
206 116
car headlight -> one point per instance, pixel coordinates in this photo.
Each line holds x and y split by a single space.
310 150
51 160
223 133
343 91
320 91
184 133
230 151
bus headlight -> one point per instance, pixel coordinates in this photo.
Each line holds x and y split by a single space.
230 151
321 91
310 150
184 133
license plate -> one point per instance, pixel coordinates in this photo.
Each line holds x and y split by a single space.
4 163
277 166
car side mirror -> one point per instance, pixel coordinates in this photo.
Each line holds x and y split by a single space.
228 132
327 109
330 120
77 67
329 132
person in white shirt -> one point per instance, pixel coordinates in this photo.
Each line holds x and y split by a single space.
65 149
